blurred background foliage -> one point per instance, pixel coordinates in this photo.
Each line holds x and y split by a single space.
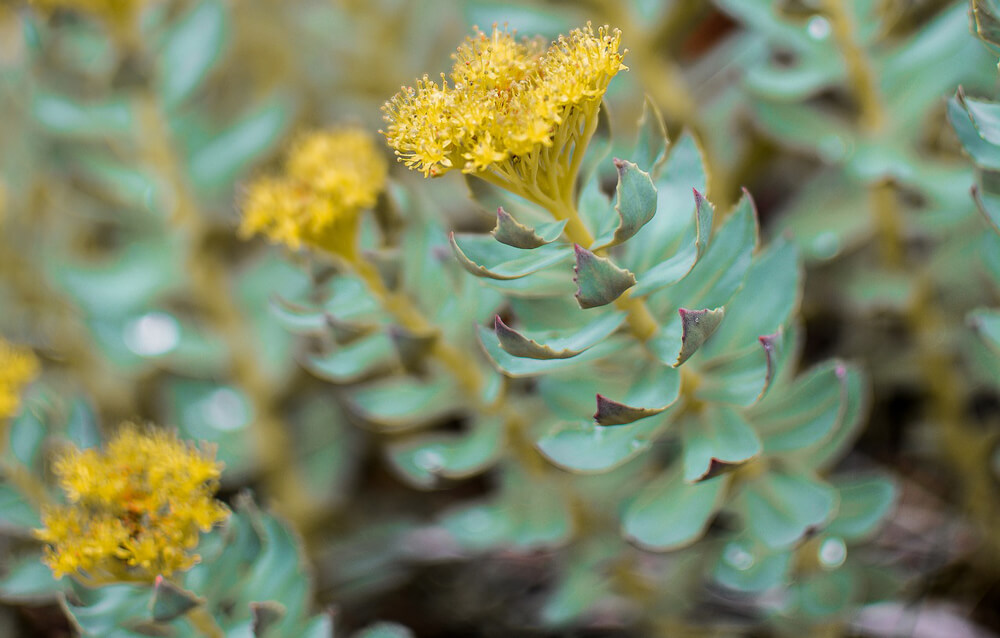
129 130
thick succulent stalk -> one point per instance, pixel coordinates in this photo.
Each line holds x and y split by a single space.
212 290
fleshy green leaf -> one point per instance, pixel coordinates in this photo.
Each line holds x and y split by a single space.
15 511
693 243
864 503
651 143
556 344
424 459
987 324
483 256
513 233
985 116
821 455
779 507
636 203
651 393
298 319
190 49
744 568
657 240
697 326
170 601
598 280
670 514
743 376
983 153
28 581
358 359
806 413
97 120
265 615
989 205
764 304
584 447
400 402
715 441
722 269
384 630
523 367
217 163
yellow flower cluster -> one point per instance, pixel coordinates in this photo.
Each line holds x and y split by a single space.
135 509
17 368
513 110
330 177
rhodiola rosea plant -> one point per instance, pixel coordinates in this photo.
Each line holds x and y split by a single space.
617 360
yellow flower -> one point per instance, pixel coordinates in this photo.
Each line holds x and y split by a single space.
17 369
134 510
330 178
515 114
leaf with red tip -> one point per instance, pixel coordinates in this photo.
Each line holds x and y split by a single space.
636 203
555 344
483 256
697 326
598 280
654 391
513 233
718 439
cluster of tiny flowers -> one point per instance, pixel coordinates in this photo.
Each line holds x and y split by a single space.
134 510
17 368
329 178
507 98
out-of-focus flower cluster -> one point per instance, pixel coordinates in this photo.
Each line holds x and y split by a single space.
135 509
17 368
507 99
330 177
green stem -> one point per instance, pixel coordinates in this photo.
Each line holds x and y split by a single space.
212 289
204 622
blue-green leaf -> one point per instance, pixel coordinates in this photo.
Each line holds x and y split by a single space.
780 506
806 413
556 344
482 256
654 390
358 359
689 251
657 240
864 504
401 402
191 47
599 281
424 459
636 203
584 447
217 163
513 233
744 567
522 367
670 514
717 440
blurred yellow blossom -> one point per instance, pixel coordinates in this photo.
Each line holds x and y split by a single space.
330 177
515 114
135 509
17 369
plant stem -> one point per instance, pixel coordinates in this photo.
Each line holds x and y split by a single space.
212 289
204 622
412 319
966 449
